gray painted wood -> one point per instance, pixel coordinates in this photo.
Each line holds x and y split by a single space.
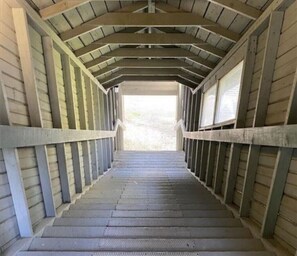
245 87
30 84
210 163
147 227
69 94
83 124
276 191
100 143
232 172
56 114
280 172
198 158
219 168
91 125
249 180
204 158
14 175
269 59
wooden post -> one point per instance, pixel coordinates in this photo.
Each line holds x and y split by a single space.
179 111
111 121
100 143
120 136
204 158
219 168
280 172
195 128
198 158
187 117
30 84
83 124
103 126
190 127
14 173
91 125
69 93
245 85
271 46
53 91
210 162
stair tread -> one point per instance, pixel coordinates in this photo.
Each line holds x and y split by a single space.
140 232
120 253
160 244
148 204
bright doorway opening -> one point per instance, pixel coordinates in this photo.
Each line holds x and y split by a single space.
150 122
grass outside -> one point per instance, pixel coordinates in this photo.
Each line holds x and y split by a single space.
150 122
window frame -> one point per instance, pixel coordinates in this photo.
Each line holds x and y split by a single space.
217 84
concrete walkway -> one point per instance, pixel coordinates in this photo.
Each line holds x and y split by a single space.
148 204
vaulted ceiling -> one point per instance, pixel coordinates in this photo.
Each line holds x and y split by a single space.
180 40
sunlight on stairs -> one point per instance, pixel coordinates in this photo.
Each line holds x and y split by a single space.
148 204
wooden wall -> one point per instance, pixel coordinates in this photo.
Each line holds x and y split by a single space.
284 70
15 107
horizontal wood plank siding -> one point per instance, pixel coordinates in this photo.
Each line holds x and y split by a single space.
225 169
78 124
262 183
286 225
256 79
9 231
284 69
32 185
240 175
64 117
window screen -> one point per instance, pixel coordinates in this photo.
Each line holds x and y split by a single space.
208 106
228 95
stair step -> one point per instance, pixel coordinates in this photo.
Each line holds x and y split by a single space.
148 222
148 214
148 204
118 253
121 244
145 232
144 207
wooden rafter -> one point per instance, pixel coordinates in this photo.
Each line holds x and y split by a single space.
239 7
104 41
146 39
163 20
150 53
150 78
152 63
209 25
150 72
201 46
60 7
91 24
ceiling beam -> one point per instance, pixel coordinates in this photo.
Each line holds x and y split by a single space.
150 78
239 7
145 39
151 53
201 46
153 63
150 72
60 7
91 24
209 25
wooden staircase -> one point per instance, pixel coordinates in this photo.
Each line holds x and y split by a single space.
148 204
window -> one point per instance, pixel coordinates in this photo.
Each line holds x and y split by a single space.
208 107
228 93
220 101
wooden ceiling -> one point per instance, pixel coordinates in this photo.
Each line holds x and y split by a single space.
180 40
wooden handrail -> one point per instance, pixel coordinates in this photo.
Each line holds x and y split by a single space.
18 136
275 136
